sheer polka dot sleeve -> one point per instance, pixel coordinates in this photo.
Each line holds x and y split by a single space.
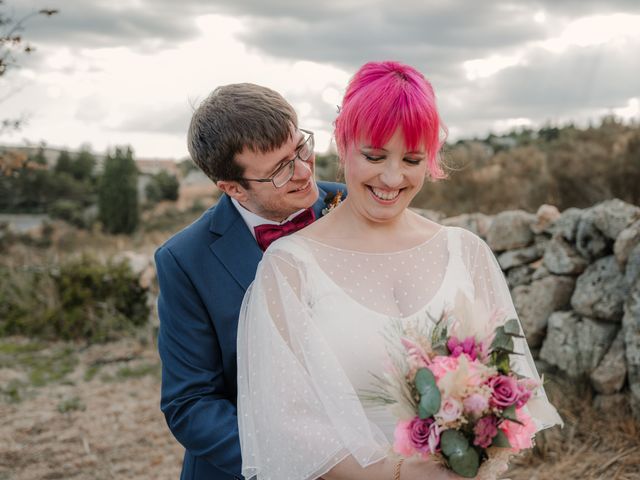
492 291
298 413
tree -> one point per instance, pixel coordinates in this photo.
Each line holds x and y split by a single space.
84 165
12 45
63 164
118 192
163 186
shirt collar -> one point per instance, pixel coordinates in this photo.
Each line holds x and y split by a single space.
252 220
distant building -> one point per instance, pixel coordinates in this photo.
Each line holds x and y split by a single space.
152 166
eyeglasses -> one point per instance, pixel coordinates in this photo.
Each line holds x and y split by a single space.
285 172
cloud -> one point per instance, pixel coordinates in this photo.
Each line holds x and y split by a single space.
173 120
132 69
580 84
83 24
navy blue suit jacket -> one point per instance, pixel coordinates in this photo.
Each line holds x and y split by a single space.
203 273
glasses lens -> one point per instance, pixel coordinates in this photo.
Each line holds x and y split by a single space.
306 149
283 175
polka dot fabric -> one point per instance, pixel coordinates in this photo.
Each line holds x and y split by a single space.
311 333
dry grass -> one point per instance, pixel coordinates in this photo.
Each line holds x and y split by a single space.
592 445
102 421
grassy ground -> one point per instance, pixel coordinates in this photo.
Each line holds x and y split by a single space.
75 412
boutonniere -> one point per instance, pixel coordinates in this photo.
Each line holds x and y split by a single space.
331 202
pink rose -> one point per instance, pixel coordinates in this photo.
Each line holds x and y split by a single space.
485 430
441 365
417 435
450 410
467 346
519 436
476 403
505 391
401 440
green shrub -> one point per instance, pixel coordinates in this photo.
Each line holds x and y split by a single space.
81 299
69 211
162 186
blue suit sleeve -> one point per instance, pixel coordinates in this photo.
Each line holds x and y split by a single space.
194 399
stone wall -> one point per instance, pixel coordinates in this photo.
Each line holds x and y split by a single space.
575 282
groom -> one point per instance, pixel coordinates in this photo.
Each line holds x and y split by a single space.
246 139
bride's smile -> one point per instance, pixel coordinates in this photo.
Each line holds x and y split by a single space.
383 180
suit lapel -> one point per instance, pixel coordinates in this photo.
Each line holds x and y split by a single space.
236 248
319 205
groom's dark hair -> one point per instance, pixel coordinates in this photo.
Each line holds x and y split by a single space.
232 118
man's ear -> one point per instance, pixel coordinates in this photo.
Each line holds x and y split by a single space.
233 189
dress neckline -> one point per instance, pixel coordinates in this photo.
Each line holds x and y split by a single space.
359 252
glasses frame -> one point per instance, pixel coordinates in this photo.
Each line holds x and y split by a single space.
289 164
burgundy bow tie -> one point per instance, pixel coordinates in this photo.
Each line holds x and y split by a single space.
267 234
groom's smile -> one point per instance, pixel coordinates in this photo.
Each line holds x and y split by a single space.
263 198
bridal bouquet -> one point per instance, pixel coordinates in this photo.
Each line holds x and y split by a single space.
454 391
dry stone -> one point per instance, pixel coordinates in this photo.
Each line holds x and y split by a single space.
626 242
576 346
535 302
632 268
590 241
611 217
609 376
478 223
567 224
562 259
600 291
560 347
541 241
594 340
519 276
545 217
517 257
631 327
540 272
511 229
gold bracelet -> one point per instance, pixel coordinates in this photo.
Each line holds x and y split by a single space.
396 473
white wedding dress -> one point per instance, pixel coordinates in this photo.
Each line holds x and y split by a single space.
311 333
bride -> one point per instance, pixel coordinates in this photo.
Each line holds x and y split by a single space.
311 325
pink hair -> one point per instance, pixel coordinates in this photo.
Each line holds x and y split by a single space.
384 96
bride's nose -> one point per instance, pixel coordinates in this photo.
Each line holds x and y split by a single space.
392 175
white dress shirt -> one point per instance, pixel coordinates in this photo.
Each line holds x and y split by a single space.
252 220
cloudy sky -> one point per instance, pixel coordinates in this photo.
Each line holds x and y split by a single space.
119 72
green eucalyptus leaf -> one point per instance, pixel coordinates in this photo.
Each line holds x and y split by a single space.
429 402
430 397
453 442
500 440
424 380
512 328
466 465
509 413
502 342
